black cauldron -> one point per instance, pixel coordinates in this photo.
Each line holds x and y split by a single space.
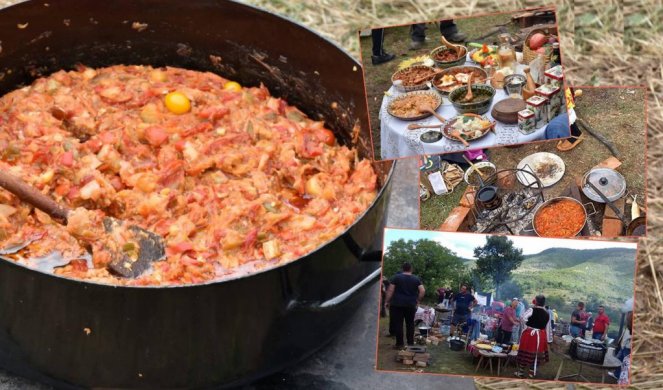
75 334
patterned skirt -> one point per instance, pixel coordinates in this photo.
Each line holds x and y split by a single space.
533 348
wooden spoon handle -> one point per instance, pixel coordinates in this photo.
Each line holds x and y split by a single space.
438 116
425 78
467 144
474 167
32 196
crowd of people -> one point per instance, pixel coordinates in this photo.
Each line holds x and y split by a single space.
531 326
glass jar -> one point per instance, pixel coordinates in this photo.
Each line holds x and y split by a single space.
506 54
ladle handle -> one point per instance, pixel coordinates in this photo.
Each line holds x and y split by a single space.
32 196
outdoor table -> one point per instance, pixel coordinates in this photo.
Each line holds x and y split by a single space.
499 356
602 367
487 357
397 141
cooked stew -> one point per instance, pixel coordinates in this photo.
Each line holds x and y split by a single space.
562 218
231 177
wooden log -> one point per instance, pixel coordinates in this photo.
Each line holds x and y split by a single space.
408 362
421 364
602 139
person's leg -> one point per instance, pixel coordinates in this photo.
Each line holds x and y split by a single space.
392 329
409 313
449 30
558 127
507 337
397 314
597 335
417 36
379 55
621 355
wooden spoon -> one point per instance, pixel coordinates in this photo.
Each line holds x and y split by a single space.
474 167
415 126
457 49
431 111
456 134
129 258
469 96
427 77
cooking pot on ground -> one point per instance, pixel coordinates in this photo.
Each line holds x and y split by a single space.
71 333
552 201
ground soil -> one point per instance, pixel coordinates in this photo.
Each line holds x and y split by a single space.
617 113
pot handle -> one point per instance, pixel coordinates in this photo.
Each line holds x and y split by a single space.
593 208
529 230
349 292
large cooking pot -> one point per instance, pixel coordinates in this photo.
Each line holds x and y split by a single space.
79 334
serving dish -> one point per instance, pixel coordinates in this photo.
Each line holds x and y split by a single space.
471 127
440 53
452 78
483 99
548 167
408 107
75 334
408 78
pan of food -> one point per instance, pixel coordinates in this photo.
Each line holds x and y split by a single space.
412 78
413 106
198 122
560 217
469 127
452 78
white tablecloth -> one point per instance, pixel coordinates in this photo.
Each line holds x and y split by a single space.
397 141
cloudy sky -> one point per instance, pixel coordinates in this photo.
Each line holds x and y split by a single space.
464 243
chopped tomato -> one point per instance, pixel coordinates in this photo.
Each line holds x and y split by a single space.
67 159
172 174
180 247
250 239
326 136
79 265
156 135
107 137
308 144
93 145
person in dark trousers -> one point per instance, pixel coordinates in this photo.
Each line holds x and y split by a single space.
448 29
379 55
404 294
464 302
578 322
383 294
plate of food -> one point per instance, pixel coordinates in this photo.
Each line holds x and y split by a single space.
452 78
548 167
410 106
484 54
412 78
469 127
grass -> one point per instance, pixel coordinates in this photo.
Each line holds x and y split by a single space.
445 361
436 209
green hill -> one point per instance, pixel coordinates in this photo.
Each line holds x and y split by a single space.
566 276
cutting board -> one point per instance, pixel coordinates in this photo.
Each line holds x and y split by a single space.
506 111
